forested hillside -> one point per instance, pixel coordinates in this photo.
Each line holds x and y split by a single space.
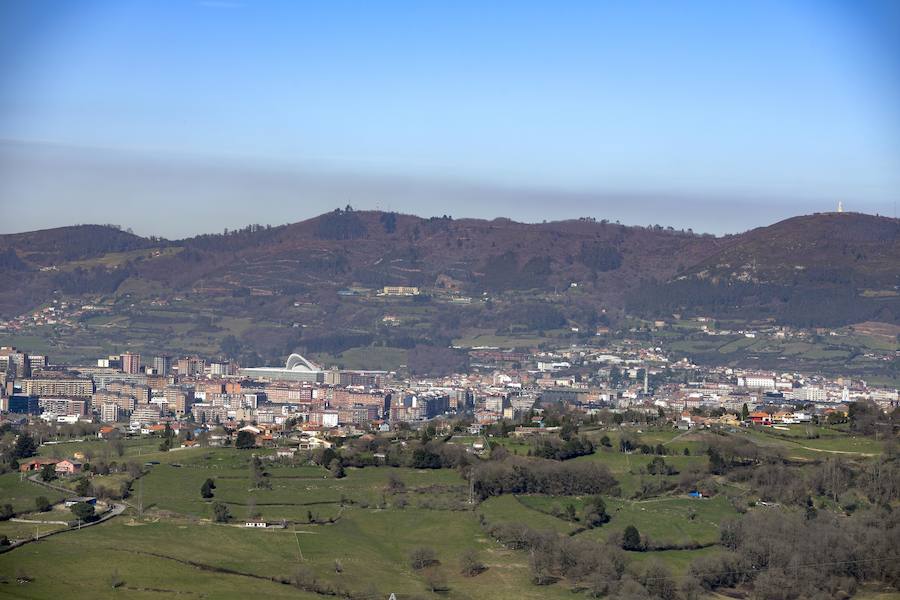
818 270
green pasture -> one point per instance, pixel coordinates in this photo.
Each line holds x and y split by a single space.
21 493
289 492
154 559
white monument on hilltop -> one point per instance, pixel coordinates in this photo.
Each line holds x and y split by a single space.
840 206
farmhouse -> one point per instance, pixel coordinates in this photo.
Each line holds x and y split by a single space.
68 467
256 524
285 453
36 464
305 441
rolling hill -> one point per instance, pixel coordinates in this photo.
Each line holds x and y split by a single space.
821 269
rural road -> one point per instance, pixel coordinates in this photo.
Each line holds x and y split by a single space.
117 508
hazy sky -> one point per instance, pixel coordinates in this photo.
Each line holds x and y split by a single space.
181 117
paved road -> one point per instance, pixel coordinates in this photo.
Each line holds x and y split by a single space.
117 509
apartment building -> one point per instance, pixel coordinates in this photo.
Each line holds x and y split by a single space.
131 363
57 383
64 406
110 413
140 392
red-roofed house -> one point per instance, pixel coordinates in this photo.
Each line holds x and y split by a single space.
761 418
68 467
36 464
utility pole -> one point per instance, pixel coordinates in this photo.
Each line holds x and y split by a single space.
140 497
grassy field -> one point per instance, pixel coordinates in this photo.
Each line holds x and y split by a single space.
510 509
627 468
677 521
133 448
117 259
176 549
120 551
21 494
667 521
487 337
794 444
365 357
673 440
153 559
19 531
677 560
291 492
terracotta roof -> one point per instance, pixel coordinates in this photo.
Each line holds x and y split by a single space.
40 461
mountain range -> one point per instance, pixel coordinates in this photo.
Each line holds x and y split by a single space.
823 269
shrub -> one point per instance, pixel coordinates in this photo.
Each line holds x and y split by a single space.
48 472
595 512
435 580
657 579
305 578
245 440
724 569
470 565
631 539
115 580
83 511
221 513
83 487
395 485
422 557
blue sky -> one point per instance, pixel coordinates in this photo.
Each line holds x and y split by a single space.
641 111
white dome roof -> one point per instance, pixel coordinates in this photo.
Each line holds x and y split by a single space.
295 362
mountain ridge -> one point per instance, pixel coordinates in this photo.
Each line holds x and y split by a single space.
620 267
